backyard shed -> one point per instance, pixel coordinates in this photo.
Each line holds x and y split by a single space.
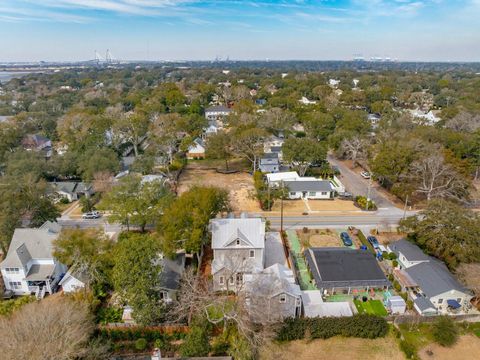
396 305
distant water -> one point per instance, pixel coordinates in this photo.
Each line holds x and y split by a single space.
7 75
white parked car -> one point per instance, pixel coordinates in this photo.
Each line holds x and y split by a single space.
91 215
365 174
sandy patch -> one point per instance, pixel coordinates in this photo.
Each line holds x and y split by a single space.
386 238
332 205
324 241
335 348
290 206
239 186
467 347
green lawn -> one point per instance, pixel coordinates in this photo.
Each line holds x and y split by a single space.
374 307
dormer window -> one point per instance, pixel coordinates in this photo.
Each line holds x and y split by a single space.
238 241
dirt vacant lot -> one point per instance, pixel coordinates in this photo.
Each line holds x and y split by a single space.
332 205
467 347
319 238
239 185
336 348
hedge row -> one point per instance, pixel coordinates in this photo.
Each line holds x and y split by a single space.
361 326
150 335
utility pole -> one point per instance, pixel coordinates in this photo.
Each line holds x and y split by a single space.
368 190
268 190
281 210
405 208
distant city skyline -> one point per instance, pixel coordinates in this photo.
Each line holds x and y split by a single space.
406 30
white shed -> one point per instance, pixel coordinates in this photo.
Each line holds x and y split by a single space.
396 305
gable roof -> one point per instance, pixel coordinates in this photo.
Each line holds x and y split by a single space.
434 278
172 271
30 244
250 230
70 187
423 304
218 108
312 185
411 251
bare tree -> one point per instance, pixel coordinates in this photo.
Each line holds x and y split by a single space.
437 179
469 274
55 328
102 181
354 149
464 121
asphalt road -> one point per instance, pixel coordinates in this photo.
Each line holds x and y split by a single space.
334 221
357 185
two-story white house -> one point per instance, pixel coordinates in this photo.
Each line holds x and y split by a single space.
238 248
29 267
432 287
218 112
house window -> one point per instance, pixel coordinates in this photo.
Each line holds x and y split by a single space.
163 295
459 300
324 193
292 193
239 279
238 241
12 270
283 298
252 253
230 281
440 301
221 280
15 285
312 193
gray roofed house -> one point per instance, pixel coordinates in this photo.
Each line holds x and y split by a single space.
172 271
309 189
434 278
407 253
238 248
217 112
74 280
269 163
71 190
29 266
434 282
339 268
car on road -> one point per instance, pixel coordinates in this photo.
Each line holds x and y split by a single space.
365 174
373 241
91 215
345 195
347 240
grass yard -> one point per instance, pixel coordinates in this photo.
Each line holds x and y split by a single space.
335 348
374 307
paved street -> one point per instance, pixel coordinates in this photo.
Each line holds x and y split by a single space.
357 185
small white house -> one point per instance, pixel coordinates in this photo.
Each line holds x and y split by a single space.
312 189
275 179
73 280
196 150
217 112
396 305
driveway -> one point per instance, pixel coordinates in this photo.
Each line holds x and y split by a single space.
357 185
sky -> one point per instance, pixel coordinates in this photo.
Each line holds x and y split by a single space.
406 30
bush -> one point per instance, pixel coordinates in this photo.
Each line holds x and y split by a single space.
7 307
392 256
409 304
391 278
109 315
362 203
408 349
141 344
196 343
397 286
64 201
394 263
444 331
362 326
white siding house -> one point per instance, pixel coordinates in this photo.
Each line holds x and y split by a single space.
196 150
238 248
29 266
313 189
217 112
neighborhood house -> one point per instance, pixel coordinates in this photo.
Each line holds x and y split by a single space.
196 150
428 281
29 267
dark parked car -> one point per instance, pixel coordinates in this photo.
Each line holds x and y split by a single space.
347 241
373 241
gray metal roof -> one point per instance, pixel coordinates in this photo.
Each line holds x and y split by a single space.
249 230
40 272
411 251
29 244
172 272
423 303
218 108
340 267
319 185
434 278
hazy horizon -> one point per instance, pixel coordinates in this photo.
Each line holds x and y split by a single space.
195 30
